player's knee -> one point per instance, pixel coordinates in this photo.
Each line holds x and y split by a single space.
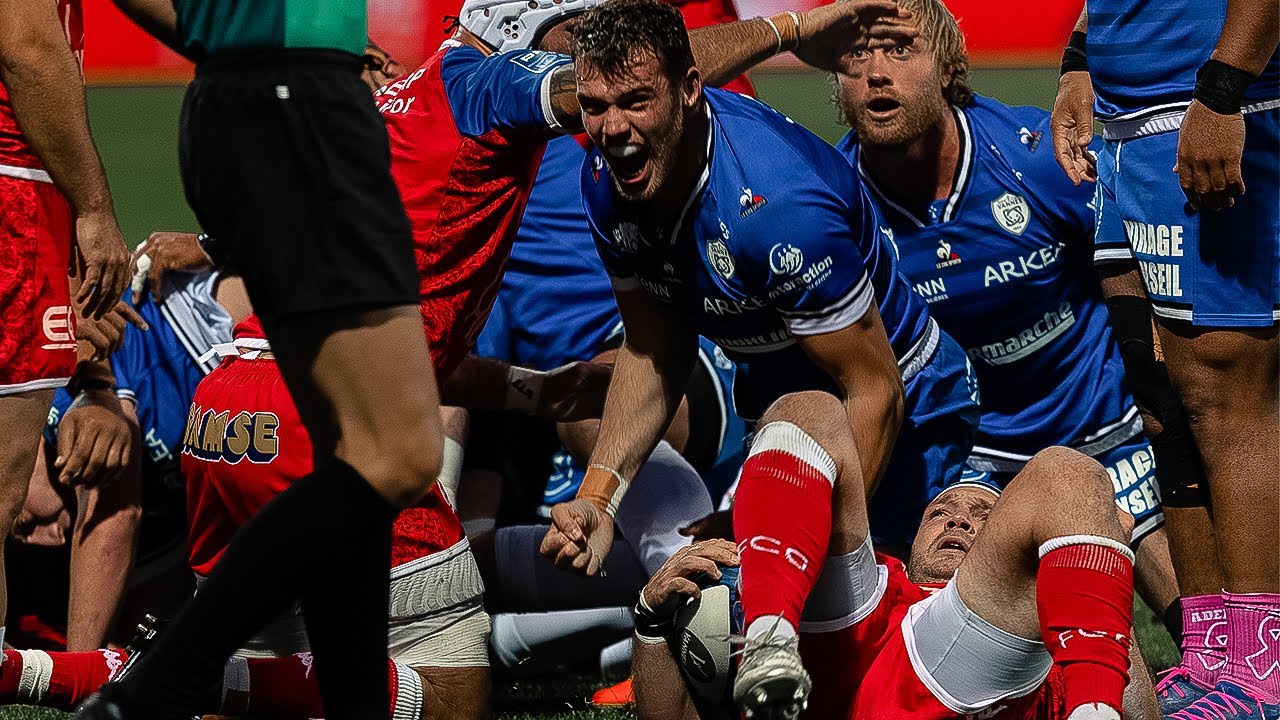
1224 378
460 693
819 414
1065 478
404 468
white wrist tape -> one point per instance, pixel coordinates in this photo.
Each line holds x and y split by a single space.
140 273
524 389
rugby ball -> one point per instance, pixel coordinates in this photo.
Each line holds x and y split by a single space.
704 627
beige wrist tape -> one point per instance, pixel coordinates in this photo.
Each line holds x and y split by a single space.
603 487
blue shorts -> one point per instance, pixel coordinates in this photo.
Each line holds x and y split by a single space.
1212 269
718 474
1132 469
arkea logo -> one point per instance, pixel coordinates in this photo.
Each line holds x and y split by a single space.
946 257
1012 212
59 328
750 202
785 259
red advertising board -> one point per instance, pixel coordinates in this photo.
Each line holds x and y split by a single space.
999 32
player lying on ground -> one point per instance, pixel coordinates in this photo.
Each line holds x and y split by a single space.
1000 613
997 241
1189 101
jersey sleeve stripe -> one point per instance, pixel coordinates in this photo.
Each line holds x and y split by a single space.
544 95
843 313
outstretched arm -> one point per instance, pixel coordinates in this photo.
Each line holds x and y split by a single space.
861 362
649 379
723 52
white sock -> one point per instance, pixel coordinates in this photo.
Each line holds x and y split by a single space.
553 638
616 658
407 703
770 626
666 495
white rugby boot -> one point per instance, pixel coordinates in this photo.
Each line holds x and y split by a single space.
772 683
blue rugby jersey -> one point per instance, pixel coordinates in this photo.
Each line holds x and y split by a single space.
158 370
555 304
1005 265
778 240
1144 54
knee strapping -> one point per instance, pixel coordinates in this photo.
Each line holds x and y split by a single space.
1179 469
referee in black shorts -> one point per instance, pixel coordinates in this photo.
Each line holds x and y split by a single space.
286 162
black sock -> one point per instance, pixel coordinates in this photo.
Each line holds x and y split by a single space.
346 619
291 543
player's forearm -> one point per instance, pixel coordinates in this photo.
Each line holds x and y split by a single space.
47 94
723 52
1249 35
660 691
477 384
157 17
875 409
102 548
1082 23
643 397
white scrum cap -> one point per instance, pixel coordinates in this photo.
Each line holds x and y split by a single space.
516 24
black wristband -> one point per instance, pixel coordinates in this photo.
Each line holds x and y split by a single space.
652 627
1074 58
1221 87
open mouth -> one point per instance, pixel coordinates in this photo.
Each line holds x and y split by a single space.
629 164
953 543
882 108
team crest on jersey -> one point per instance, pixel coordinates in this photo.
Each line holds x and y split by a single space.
718 253
750 202
946 256
1012 212
785 259
627 236
597 164
223 437
1030 138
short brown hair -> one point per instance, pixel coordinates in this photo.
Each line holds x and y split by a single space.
939 27
614 36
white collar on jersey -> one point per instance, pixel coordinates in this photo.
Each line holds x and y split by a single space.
699 186
959 181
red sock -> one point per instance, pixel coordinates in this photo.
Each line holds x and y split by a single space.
56 679
782 519
1084 592
287 688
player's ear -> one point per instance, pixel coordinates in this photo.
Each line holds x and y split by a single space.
691 85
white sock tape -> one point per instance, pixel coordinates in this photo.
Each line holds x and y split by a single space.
524 389
33 683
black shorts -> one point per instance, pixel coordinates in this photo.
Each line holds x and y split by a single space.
286 162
